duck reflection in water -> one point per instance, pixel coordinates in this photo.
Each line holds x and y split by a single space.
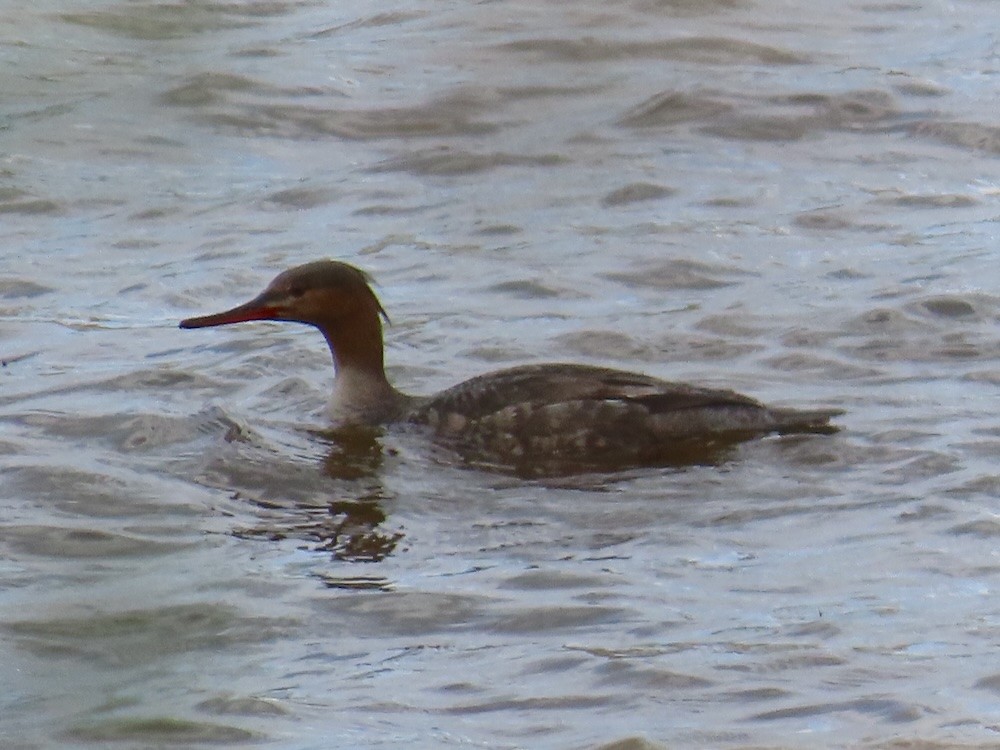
350 525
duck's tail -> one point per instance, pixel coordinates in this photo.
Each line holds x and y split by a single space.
790 421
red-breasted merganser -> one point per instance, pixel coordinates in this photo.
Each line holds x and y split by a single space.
533 413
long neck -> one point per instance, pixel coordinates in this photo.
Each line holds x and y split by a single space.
356 344
361 390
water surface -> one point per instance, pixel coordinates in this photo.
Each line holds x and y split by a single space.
797 204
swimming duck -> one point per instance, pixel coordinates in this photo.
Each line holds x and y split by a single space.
531 414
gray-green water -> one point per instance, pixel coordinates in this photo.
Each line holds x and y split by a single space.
797 202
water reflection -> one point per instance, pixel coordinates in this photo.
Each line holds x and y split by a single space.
355 451
348 524
350 530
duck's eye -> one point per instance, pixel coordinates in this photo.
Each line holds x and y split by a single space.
296 291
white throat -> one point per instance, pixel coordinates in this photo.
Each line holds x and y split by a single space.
360 398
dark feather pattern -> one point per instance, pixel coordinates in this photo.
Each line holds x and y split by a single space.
565 415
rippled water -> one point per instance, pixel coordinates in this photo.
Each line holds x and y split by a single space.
794 201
